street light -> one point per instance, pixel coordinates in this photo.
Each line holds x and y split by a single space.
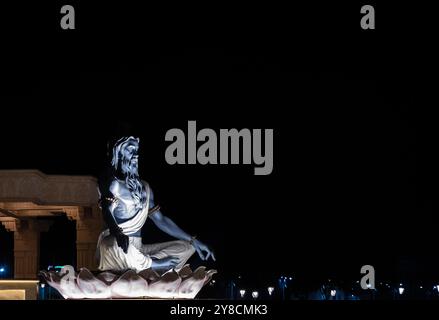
242 293
270 290
333 293
401 290
232 293
255 294
283 284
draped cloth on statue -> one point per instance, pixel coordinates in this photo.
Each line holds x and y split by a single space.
112 257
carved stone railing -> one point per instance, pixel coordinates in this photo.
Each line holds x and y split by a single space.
34 186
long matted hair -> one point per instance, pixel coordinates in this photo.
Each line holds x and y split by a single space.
125 168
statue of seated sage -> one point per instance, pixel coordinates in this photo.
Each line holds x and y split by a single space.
124 261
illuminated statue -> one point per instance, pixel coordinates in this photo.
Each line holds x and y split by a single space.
130 269
126 203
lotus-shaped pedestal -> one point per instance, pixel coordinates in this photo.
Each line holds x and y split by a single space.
184 284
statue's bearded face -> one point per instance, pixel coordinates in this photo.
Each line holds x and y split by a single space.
129 160
126 157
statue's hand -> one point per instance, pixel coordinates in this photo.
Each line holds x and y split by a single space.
203 251
122 240
165 263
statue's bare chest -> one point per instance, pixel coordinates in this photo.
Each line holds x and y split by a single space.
125 206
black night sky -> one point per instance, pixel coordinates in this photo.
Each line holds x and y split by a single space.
352 179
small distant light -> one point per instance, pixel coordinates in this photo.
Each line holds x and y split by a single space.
242 293
420 287
2 269
213 281
255 294
401 290
333 293
270 290
437 288
358 281
43 285
369 285
291 278
400 284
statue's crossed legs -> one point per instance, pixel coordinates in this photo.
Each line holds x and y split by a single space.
139 255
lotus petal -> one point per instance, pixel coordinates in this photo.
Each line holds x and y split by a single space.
129 285
107 277
199 273
209 275
166 286
91 286
149 275
185 272
193 284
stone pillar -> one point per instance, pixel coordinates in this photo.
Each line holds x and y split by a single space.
27 248
88 227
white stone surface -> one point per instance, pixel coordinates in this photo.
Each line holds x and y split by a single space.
129 284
